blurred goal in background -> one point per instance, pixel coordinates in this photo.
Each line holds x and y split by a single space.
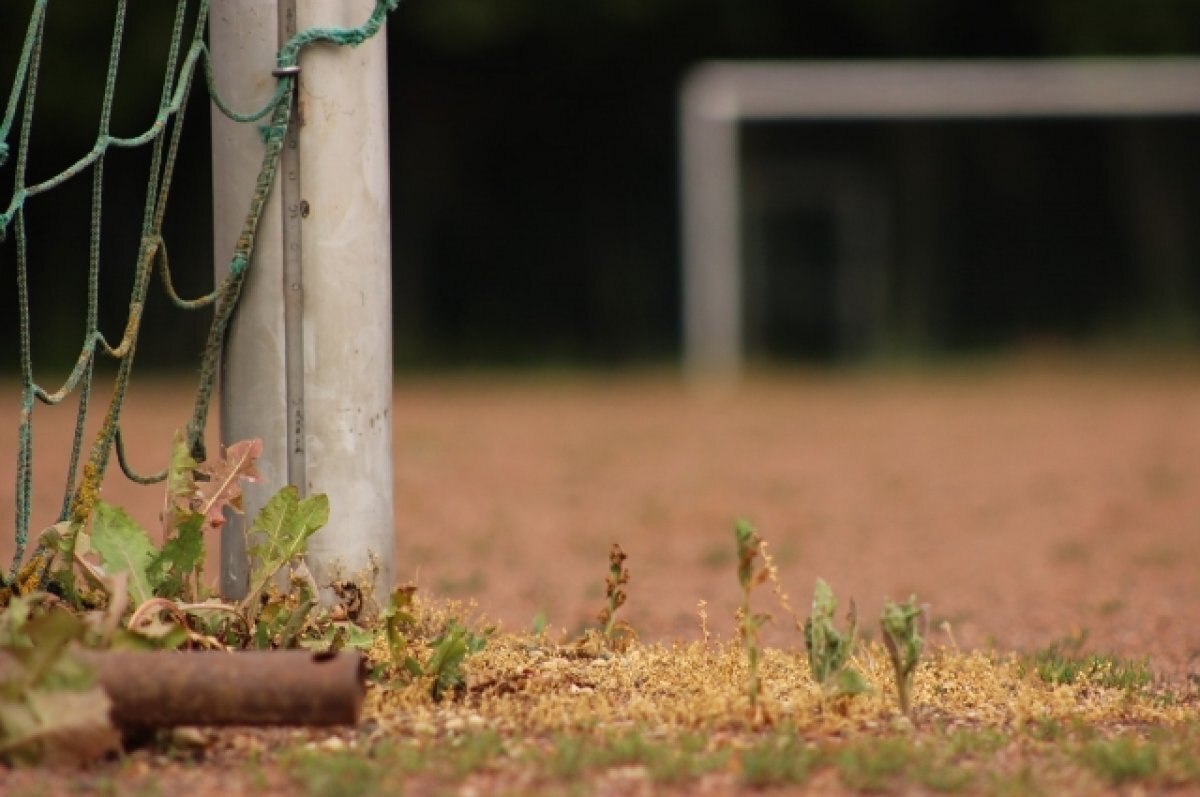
841 201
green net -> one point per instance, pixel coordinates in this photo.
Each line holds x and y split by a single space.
187 52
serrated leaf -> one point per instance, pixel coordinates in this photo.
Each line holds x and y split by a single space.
181 485
280 533
450 650
829 650
181 555
221 486
124 547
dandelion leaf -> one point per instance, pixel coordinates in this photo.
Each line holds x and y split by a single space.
124 547
280 533
181 555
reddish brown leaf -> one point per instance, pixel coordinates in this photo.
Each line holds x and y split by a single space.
219 484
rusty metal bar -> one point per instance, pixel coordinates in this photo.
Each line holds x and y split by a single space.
167 689
163 689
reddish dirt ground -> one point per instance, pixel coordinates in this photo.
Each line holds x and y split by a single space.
1025 501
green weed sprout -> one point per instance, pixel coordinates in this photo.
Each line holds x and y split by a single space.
749 546
450 650
829 650
904 644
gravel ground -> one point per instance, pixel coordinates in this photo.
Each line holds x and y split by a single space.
1025 500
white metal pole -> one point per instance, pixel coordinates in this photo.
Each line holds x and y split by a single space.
343 107
242 38
336 435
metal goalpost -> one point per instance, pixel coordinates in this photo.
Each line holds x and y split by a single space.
308 361
717 97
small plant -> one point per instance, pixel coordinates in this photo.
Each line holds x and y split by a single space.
397 619
675 760
903 643
1062 663
449 651
342 773
617 633
780 760
749 546
472 752
874 764
1122 759
830 650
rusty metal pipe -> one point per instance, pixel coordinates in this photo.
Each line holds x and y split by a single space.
164 689
167 689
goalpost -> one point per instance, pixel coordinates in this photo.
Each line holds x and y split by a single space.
718 97
308 360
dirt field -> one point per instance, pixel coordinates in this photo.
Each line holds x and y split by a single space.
1025 501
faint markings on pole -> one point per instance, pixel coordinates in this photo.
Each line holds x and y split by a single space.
293 273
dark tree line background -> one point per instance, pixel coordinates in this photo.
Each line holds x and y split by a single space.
535 200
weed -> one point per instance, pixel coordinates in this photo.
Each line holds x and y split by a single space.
829 650
1046 729
782 759
904 644
255 774
449 651
1061 663
397 620
685 759
569 757
675 760
873 764
618 633
1122 759
342 773
473 752
749 545
540 622
974 743
939 774
1022 783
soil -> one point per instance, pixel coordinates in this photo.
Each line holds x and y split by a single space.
1026 501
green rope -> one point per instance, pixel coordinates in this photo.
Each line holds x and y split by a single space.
186 54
